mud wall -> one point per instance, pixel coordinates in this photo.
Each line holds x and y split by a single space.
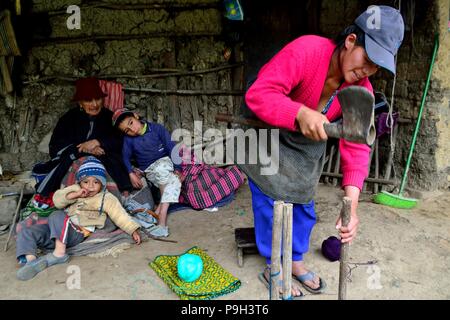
430 166
139 42
134 42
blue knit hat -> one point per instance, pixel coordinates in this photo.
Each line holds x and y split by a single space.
92 167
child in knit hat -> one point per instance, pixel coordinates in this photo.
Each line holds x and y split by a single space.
84 207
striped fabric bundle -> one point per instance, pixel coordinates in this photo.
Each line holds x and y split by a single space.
205 185
116 96
8 50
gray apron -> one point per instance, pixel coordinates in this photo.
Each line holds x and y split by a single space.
300 165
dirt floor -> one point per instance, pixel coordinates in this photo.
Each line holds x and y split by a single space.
409 251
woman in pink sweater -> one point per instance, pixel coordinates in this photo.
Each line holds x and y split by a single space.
295 91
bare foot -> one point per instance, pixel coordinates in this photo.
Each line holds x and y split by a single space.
158 209
299 269
30 257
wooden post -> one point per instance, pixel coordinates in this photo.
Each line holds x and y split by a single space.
330 160
174 115
287 250
372 148
275 266
337 166
343 268
377 166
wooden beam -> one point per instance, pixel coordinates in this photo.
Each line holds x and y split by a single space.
159 73
138 7
382 181
186 92
39 42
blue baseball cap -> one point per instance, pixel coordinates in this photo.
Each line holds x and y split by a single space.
384 28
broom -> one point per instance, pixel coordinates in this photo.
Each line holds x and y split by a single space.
398 200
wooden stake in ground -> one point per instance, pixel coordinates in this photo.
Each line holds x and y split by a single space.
343 268
275 266
287 250
13 224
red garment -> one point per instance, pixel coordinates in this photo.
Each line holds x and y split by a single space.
44 200
293 79
116 96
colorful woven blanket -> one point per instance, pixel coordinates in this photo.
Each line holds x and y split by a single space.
214 282
205 185
101 243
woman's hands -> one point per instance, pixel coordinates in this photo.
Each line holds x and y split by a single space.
92 147
98 151
348 233
311 123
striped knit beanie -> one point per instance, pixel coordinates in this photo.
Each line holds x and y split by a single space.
92 167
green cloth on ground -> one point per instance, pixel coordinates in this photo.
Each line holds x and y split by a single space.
33 206
214 281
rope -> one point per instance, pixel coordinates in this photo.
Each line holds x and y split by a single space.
270 280
270 285
390 119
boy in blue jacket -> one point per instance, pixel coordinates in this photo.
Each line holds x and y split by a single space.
150 145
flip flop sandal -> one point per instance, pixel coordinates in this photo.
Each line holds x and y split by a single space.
309 276
264 280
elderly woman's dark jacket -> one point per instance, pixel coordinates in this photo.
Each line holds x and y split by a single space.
76 127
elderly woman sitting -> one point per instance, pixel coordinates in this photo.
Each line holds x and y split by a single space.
81 131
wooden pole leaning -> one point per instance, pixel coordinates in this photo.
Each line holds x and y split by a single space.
275 267
343 267
14 221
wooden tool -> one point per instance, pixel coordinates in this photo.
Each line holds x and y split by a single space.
9 194
357 123
343 267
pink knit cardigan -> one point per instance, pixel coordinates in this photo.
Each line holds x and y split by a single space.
294 78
